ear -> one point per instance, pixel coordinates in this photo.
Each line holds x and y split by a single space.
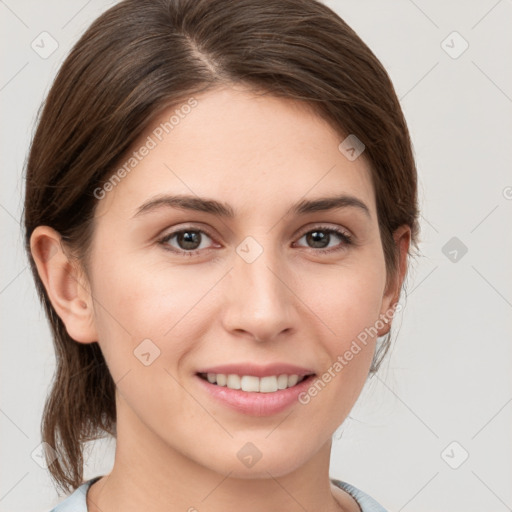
65 283
402 239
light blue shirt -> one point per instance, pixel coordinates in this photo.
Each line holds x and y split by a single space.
76 502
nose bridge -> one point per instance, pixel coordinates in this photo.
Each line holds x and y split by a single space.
257 264
261 303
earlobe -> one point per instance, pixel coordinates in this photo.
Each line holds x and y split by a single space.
402 239
65 284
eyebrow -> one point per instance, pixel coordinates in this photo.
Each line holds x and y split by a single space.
221 209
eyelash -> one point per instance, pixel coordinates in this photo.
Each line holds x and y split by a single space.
346 240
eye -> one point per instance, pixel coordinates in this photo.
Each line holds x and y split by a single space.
189 241
321 237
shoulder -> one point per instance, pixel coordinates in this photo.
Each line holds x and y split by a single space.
365 502
76 502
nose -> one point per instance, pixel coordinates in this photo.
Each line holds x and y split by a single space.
259 301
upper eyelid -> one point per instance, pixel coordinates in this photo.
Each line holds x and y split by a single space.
312 226
186 228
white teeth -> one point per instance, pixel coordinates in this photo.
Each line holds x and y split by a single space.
292 380
268 384
282 381
248 383
233 382
253 384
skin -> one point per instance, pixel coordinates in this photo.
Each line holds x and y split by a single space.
176 446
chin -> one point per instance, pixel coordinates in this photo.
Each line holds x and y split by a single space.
255 461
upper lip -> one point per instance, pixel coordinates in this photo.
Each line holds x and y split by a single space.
257 370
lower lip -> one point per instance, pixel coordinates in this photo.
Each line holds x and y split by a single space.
253 403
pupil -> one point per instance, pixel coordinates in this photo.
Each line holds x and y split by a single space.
185 238
318 237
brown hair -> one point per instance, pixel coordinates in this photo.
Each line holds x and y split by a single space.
142 56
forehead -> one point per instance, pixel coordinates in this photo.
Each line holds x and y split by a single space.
243 147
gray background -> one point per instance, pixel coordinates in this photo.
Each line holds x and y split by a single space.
448 378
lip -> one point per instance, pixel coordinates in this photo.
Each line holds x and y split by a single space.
258 371
253 403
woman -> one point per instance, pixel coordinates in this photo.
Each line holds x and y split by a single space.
220 204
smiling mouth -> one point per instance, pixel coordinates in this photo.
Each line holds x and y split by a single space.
252 384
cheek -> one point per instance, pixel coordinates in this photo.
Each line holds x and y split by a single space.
347 300
144 299
145 319
136 302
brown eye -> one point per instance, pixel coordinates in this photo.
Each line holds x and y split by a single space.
320 238
186 241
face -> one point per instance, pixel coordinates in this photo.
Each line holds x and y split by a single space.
267 282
